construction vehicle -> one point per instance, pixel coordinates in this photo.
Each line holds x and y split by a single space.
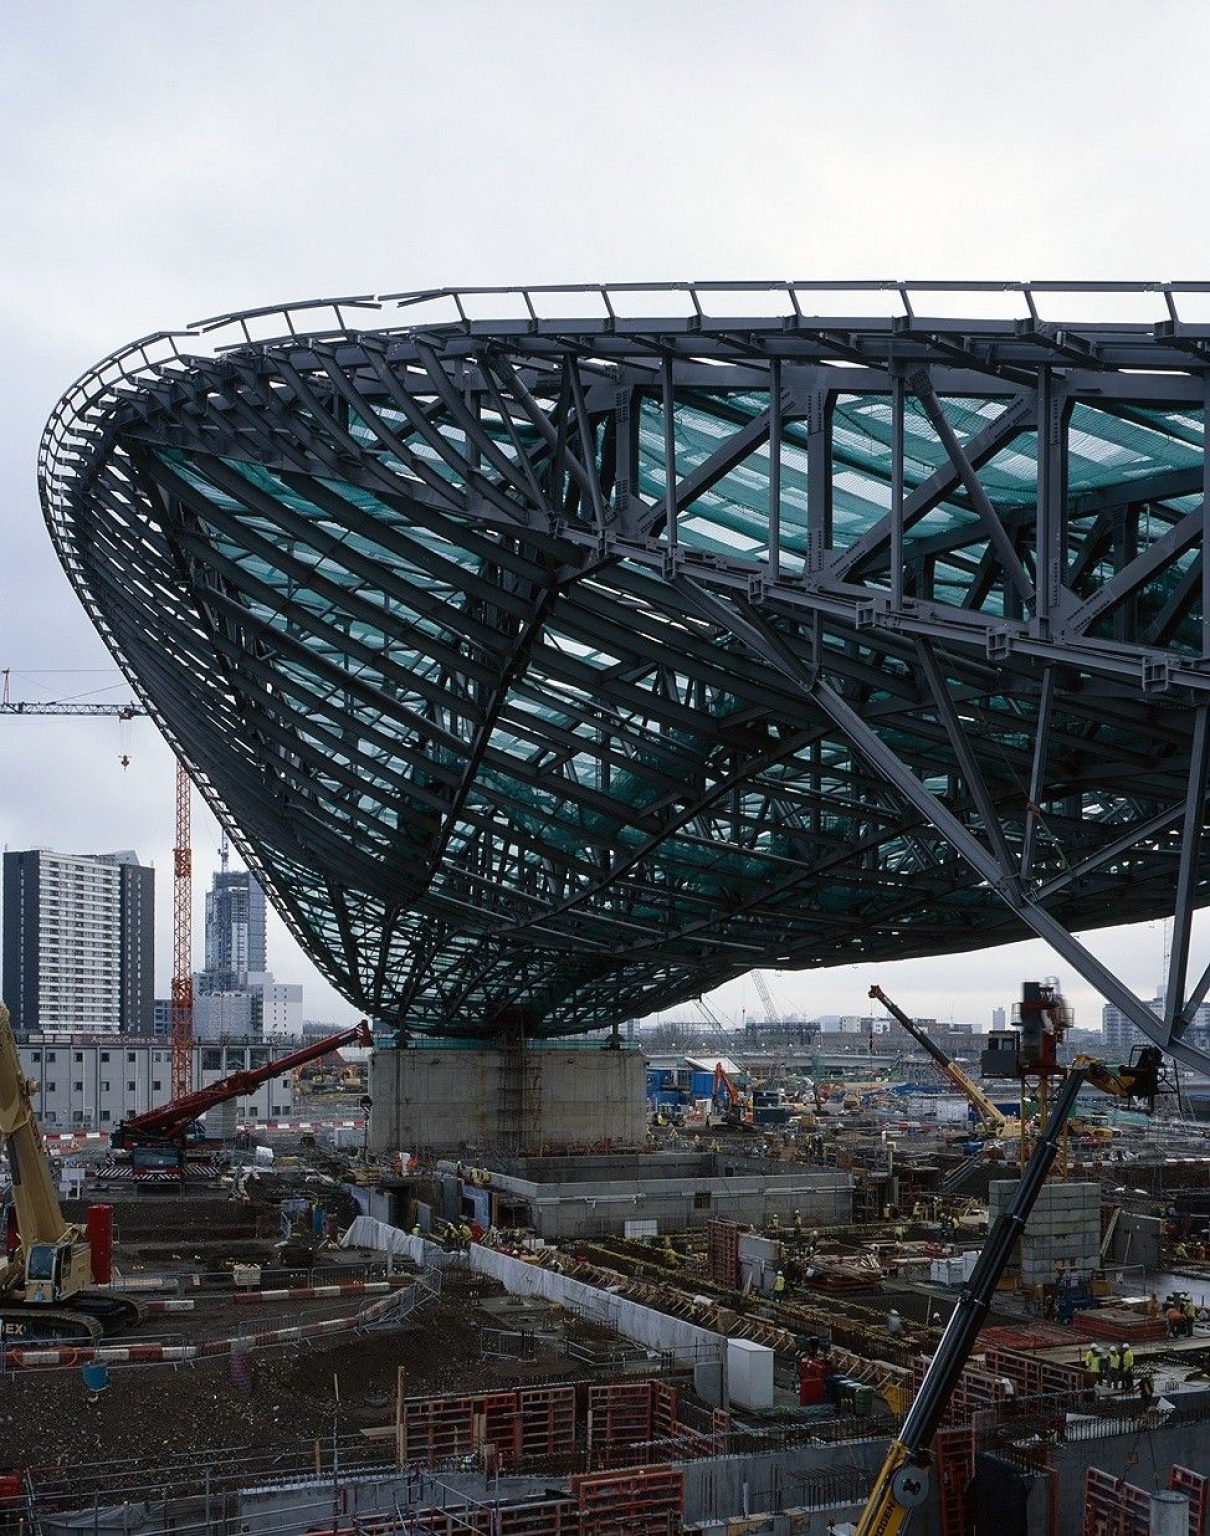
995 1121
165 1137
48 1282
1146 1066
903 1480
728 1102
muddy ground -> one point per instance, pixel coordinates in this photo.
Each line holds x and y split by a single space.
51 1419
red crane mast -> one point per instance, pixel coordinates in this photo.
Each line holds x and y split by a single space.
181 1013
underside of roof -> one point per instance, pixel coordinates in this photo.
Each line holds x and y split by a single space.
551 670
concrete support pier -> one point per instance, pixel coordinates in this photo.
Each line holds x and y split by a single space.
513 1099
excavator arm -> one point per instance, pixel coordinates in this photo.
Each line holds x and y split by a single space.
1141 1078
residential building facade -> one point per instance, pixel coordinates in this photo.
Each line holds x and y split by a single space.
79 942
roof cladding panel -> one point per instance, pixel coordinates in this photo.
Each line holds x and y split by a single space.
550 672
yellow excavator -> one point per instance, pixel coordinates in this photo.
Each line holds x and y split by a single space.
995 1121
47 1288
902 1483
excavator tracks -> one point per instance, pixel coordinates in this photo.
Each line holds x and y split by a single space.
42 1325
91 1316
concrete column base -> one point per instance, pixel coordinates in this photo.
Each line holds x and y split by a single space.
444 1099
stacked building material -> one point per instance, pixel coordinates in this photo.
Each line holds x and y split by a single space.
1063 1234
1118 1323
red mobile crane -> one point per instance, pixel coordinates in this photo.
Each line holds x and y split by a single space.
173 1127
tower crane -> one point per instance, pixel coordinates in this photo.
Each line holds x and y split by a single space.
766 997
181 1013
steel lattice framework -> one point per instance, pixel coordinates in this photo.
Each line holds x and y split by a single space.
554 666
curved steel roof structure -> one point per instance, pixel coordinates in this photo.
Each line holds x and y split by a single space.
556 654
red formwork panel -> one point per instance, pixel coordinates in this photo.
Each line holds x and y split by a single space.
643 1501
1031 1376
954 1450
548 1421
720 1424
1114 1507
619 1422
1196 1489
974 1391
433 1429
663 1411
498 1426
722 1252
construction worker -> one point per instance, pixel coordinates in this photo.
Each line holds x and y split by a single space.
1190 1311
1151 1307
798 1221
1176 1321
775 1223
669 1255
779 1284
1113 1366
1092 1365
1126 1368
894 1323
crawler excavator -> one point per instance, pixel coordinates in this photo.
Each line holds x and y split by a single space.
47 1285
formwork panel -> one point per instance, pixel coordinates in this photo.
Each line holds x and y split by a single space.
1114 1507
954 1450
547 1421
1196 1489
619 1422
645 1501
974 1391
722 1252
663 1411
432 1429
1031 1376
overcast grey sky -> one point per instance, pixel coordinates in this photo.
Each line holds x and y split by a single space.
163 161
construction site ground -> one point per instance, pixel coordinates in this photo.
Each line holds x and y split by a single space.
265 1397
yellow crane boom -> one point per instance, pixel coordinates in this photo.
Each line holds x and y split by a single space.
53 1261
995 1119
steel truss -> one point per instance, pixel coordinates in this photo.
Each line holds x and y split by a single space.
553 669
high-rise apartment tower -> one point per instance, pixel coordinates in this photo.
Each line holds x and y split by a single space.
79 941
235 931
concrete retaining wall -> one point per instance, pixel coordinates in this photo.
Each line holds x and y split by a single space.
382 1238
643 1325
679 1203
1137 1240
451 1099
